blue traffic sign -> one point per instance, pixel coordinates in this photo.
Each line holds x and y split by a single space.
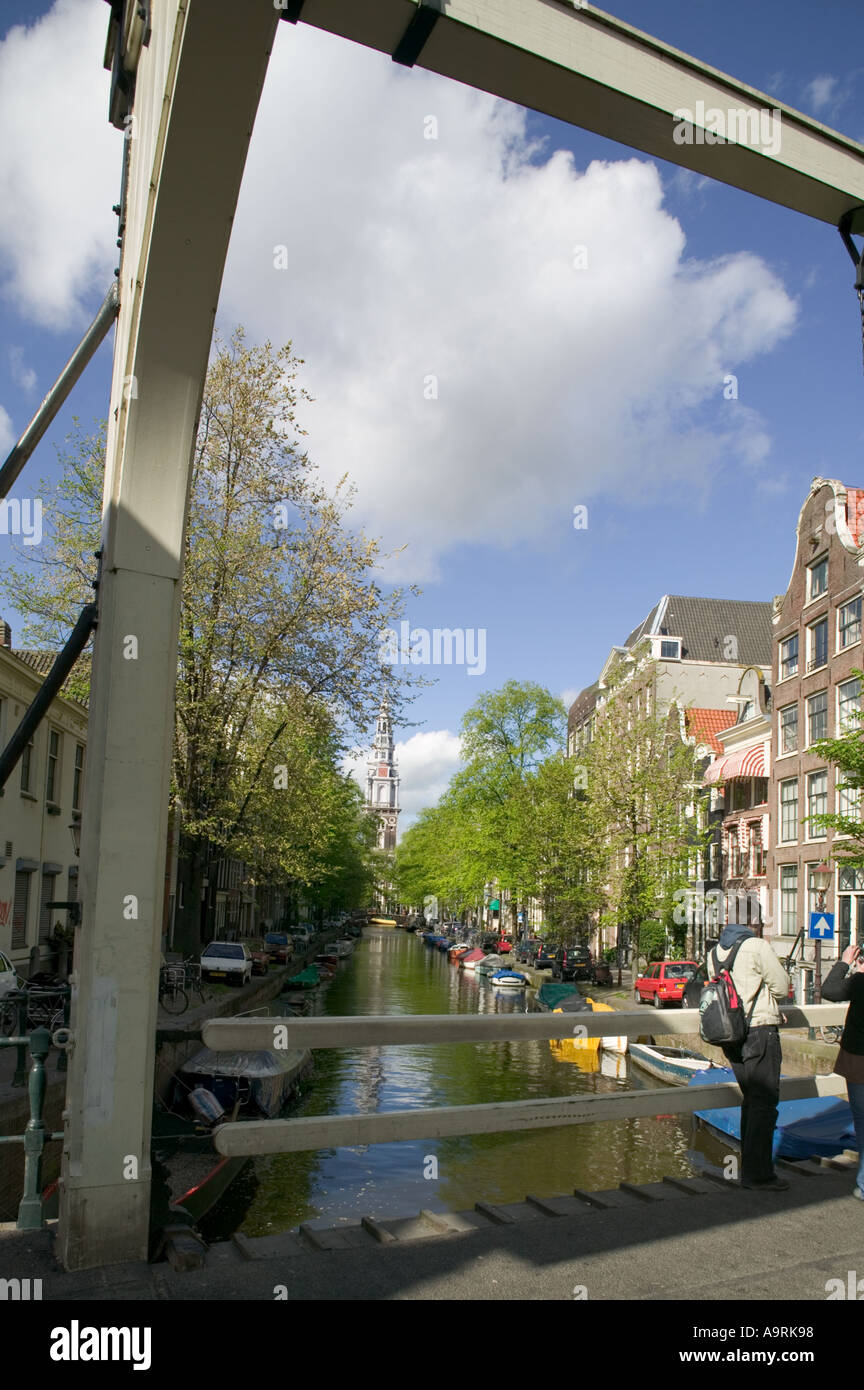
821 926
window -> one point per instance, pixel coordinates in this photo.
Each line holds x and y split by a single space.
817 803
789 900
789 729
27 767
849 623
740 794
817 636
817 716
849 801
46 914
817 578
757 850
78 777
789 656
848 704
20 910
789 811
52 780
760 791
670 649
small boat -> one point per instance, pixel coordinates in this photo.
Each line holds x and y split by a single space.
578 1003
472 959
257 1081
382 921
818 1127
460 949
340 949
508 979
307 979
490 964
676 1065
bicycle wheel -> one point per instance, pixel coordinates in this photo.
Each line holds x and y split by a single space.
174 1000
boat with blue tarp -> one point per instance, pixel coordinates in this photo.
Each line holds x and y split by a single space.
820 1126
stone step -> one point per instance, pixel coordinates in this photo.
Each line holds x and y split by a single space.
697 1187
349 1236
609 1199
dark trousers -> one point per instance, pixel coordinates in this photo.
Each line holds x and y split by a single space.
756 1064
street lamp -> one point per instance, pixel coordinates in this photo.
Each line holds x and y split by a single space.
821 880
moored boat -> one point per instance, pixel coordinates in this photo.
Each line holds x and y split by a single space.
472 959
490 964
676 1065
257 1081
309 978
818 1127
508 979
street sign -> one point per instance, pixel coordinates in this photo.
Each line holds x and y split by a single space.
821 926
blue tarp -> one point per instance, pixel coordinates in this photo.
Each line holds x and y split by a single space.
820 1126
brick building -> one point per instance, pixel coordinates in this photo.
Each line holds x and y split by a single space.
817 645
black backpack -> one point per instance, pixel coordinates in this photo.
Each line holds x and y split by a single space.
722 1019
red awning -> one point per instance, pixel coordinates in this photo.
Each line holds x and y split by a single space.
750 763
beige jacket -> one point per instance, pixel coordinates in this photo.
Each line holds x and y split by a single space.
755 965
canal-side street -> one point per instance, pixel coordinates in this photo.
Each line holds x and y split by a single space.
391 972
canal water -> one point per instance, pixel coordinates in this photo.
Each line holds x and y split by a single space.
391 972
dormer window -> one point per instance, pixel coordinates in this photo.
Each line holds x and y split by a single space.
817 578
670 649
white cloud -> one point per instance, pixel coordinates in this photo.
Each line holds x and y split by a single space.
410 257
455 257
821 92
59 163
427 760
7 433
25 377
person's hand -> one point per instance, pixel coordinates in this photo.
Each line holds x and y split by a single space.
850 955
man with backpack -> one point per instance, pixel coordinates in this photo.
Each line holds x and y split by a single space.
739 1011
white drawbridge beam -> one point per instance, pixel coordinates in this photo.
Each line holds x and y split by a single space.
198 85
573 62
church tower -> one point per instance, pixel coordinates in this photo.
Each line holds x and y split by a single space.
382 780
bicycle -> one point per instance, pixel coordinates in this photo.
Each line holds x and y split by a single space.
831 1034
172 996
192 978
44 1008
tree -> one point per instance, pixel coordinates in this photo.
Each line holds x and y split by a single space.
641 780
846 752
280 620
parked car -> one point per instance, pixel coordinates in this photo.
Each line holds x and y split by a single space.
527 950
260 957
227 960
279 947
572 962
505 945
544 959
8 975
664 982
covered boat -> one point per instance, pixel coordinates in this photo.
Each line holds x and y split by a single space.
260 1081
490 964
820 1126
307 979
508 979
574 1002
472 959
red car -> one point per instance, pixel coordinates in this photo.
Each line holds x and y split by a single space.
664 982
504 945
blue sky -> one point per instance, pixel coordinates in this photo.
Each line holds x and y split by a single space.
612 399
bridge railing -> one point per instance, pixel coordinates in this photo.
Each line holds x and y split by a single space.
35 1136
316 1132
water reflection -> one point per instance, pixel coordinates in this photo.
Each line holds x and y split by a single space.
393 973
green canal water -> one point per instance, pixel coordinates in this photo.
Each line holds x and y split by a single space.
394 973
